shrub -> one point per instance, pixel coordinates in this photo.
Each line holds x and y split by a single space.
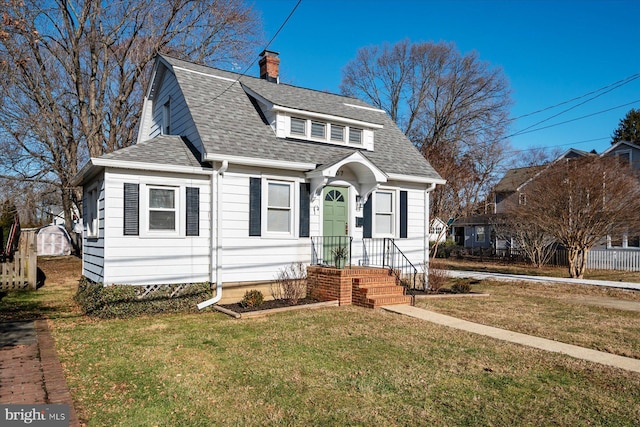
121 301
437 275
461 287
291 283
252 298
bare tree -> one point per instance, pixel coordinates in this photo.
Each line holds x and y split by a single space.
580 202
453 107
530 238
72 74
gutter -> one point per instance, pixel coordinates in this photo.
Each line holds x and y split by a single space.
218 237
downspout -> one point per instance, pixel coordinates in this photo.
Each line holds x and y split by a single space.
425 255
216 181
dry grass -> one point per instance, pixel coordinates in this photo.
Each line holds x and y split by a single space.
338 366
520 268
568 313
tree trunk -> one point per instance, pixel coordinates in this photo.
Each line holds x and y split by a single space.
577 262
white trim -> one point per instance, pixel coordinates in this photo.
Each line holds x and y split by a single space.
395 209
416 179
204 74
124 164
377 110
327 117
293 208
248 161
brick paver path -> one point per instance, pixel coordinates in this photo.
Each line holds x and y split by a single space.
30 372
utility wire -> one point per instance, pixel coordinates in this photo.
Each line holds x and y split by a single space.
244 73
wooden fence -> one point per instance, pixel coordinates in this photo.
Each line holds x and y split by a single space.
22 271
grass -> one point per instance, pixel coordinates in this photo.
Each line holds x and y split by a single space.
526 269
335 366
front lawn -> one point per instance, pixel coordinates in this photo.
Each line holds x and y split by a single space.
335 366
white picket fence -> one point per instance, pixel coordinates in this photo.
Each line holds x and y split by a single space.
613 259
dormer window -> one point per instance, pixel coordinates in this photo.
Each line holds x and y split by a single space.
318 130
355 136
298 126
337 133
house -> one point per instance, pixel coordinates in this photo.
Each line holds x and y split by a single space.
437 231
233 178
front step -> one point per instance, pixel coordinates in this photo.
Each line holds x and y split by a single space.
376 287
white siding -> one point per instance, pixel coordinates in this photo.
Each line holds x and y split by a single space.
255 258
155 260
93 247
181 120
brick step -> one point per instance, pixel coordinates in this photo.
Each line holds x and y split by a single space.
377 301
364 271
374 281
382 290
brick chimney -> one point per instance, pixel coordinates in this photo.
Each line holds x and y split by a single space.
269 66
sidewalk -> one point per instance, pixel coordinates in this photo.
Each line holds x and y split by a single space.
30 372
515 277
603 358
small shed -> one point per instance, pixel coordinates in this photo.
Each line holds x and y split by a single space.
53 240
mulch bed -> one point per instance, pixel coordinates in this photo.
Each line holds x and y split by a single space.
267 305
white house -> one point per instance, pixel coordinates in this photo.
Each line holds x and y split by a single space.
233 178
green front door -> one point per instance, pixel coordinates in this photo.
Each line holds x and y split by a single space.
335 217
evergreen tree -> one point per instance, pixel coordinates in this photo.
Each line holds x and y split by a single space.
628 129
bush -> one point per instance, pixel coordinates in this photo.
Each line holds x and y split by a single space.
121 301
291 283
461 287
437 275
252 298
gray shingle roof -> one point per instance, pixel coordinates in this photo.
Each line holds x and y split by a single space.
229 122
514 178
164 150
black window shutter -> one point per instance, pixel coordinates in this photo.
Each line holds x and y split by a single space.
255 206
403 214
366 226
193 211
305 189
131 209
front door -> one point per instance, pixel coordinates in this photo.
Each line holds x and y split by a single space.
335 224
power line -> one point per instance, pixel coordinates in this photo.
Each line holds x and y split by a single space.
524 131
522 150
244 73
626 80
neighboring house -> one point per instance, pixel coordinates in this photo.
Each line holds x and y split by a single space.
233 178
437 230
473 231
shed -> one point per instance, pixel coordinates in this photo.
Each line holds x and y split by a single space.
53 240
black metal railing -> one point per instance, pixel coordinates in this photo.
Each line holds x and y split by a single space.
331 250
384 253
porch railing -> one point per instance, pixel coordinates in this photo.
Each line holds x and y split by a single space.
331 250
384 253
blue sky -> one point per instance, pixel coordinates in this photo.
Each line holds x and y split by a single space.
551 52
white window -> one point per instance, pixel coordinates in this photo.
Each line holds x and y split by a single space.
337 133
298 126
162 210
522 199
166 118
91 212
318 130
355 135
279 207
480 236
384 213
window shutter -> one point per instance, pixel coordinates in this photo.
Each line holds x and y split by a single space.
366 226
305 189
131 209
255 208
193 211
403 214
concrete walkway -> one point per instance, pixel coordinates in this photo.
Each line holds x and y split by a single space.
603 358
540 279
30 372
